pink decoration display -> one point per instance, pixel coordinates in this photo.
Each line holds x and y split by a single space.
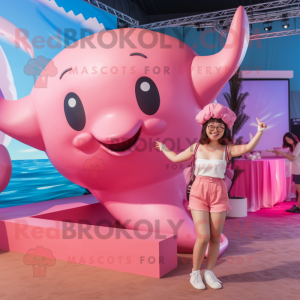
112 106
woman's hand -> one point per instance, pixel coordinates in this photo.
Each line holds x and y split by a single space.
158 144
261 125
277 152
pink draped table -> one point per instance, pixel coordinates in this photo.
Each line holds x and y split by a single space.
265 182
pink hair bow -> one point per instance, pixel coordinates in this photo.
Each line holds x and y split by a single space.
218 111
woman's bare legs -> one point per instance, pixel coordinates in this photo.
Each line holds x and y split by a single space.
298 190
202 226
216 226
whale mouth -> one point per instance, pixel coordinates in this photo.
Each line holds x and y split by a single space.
123 146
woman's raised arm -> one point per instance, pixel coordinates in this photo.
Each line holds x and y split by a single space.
239 150
183 156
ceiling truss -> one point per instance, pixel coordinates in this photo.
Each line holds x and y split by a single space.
114 12
221 20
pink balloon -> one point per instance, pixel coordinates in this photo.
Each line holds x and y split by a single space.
5 168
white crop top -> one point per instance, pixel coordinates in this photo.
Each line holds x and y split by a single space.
211 167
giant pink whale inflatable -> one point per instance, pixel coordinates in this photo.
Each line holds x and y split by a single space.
98 122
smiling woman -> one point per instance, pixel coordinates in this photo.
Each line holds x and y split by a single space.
213 130
209 201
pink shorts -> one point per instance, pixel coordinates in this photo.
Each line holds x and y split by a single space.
209 194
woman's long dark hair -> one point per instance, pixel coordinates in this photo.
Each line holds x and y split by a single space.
293 137
226 139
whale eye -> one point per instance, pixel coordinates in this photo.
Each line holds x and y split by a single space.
147 95
74 111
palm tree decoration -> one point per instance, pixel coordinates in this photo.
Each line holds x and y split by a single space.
235 100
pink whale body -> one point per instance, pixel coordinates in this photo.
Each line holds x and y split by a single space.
5 168
98 122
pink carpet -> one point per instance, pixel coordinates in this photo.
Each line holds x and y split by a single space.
261 262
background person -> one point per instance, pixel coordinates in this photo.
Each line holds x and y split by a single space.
291 141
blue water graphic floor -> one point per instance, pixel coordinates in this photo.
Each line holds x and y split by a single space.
36 180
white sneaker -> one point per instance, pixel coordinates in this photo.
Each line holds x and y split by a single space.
211 279
196 280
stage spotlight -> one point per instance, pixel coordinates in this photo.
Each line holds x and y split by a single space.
267 26
200 28
285 23
220 24
250 28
